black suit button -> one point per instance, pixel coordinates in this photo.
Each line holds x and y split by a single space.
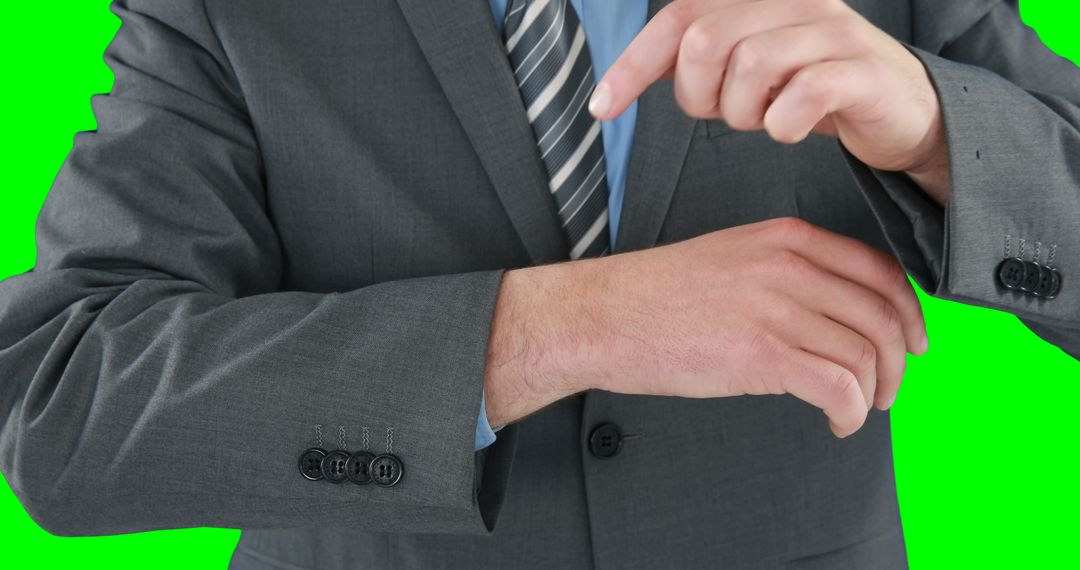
1046 282
1011 273
333 466
386 470
1055 284
1031 277
605 441
311 464
356 467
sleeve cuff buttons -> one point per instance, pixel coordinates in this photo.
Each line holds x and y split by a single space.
361 467
1029 278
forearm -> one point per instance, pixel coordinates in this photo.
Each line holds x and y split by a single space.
116 375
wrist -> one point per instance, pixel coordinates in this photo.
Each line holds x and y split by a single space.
543 339
929 166
931 171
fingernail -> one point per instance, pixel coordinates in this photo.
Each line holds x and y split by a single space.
924 346
600 102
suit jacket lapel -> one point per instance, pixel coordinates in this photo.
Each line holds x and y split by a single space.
661 140
464 51
463 48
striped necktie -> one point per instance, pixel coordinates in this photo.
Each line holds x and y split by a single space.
546 45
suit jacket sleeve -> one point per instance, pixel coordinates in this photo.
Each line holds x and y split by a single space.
1012 118
153 374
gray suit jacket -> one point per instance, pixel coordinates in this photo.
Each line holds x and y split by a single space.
298 213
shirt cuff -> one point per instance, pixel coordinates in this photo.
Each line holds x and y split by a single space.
485 436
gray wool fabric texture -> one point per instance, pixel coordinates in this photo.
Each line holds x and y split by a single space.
298 214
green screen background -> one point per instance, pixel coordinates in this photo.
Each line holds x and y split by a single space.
985 431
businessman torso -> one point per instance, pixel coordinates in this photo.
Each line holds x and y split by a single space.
396 146
290 230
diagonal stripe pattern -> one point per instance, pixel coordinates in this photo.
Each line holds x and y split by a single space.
546 45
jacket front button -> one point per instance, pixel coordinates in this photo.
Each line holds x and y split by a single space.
605 441
311 464
333 466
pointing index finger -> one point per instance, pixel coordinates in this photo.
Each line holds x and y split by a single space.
648 58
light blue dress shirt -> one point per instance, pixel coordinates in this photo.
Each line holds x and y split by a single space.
609 27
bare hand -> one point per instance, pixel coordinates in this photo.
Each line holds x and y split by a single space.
769 308
790 67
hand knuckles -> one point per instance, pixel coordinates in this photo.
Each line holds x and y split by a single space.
676 15
812 86
780 308
804 6
787 227
897 279
840 383
699 45
879 71
790 265
762 342
865 357
896 274
745 68
850 31
888 318
830 6
748 58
